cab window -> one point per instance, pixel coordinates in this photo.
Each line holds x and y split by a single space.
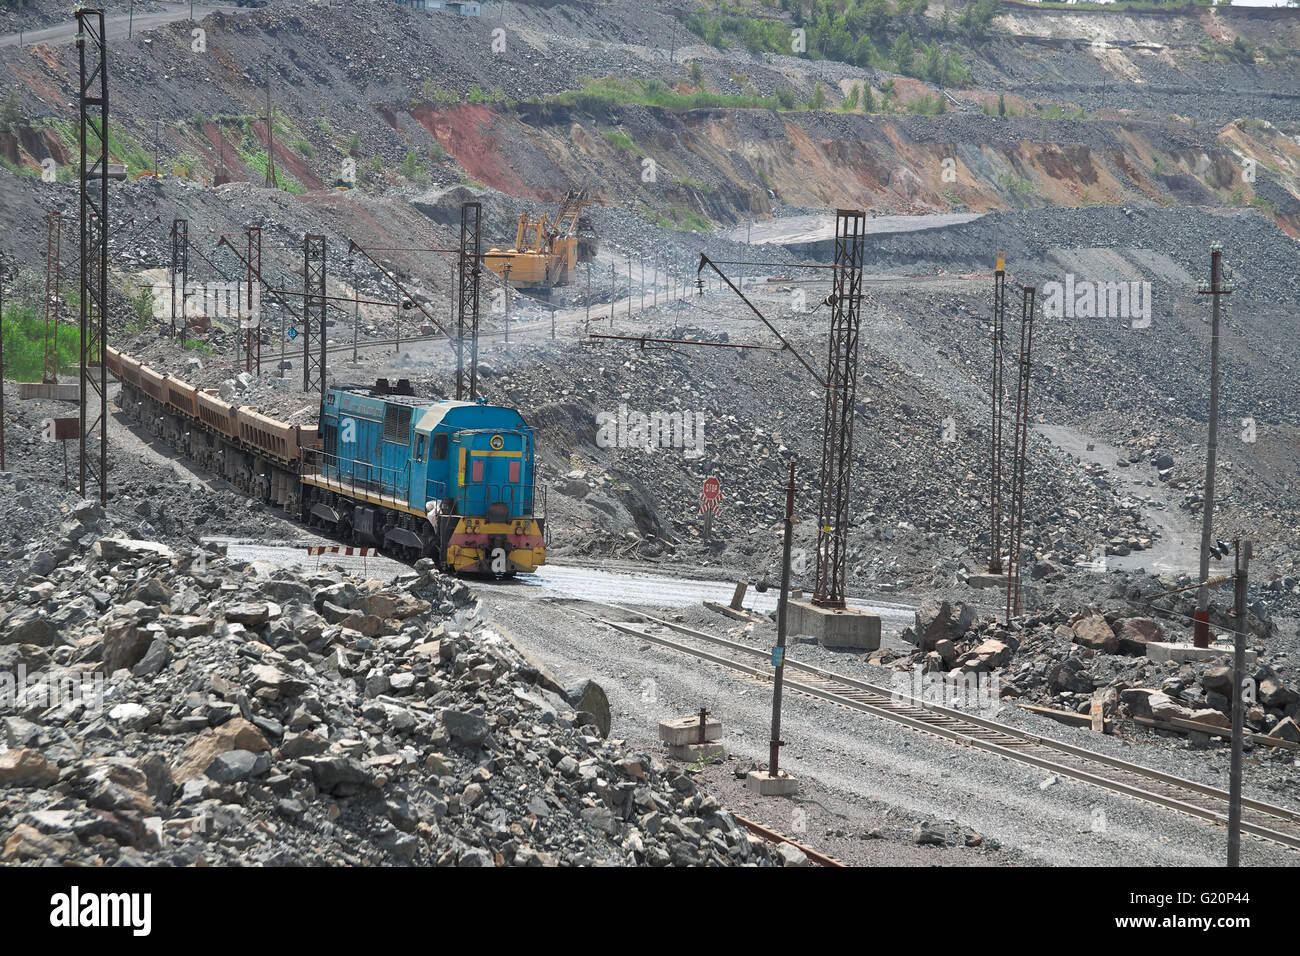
419 448
440 447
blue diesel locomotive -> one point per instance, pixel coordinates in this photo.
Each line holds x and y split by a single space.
448 480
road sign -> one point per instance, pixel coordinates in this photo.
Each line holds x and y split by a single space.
60 429
293 333
710 495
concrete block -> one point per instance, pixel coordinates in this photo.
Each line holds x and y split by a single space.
1162 651
849 627
759 782
698 753
63 392
686 730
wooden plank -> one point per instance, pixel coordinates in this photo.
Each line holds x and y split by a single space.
1187 726
1065 716
736 615
1095 712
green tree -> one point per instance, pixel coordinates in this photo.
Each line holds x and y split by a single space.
818 99
868 100
902 53
1002 104
697 74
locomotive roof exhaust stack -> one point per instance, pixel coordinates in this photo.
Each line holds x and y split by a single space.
382 387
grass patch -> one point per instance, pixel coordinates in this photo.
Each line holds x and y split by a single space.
1015 185
619 139
24 340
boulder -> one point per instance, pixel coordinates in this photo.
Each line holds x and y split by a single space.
1273 693
248 613
589 697
234 734
468 730
131 551
27 625
935 622
1069 675
125 644
26 768
1286 729
1093 632
115 784
337 774
1217 680
1135 633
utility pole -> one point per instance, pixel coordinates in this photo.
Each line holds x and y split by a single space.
54 229
157 171
837 418
92 50
1216 288
180 269
2 367
995 395
1242 550
507 284
613 295
130 23
655 283
1020 446
588 292
629 288
356 318
778 655
270 137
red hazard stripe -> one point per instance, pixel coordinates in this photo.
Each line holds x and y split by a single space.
318 549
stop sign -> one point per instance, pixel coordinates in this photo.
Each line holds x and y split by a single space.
710 494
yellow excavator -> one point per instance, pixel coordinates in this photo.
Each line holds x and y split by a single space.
546 252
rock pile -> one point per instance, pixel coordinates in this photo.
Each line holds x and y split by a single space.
1062 660
171 707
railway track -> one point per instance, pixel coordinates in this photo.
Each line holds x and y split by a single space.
1265 821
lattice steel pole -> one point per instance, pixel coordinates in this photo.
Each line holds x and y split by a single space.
253 322
470 270
845 301
53 233
995 441
313 279
181 268
92 51
1020 445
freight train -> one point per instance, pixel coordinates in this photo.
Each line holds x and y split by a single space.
452 481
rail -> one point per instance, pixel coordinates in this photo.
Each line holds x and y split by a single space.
1266 821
